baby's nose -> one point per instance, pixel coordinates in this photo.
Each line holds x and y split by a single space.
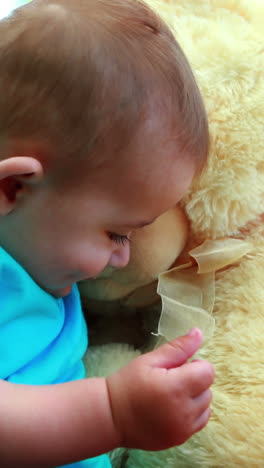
120 256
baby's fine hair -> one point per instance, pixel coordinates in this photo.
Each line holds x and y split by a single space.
82 75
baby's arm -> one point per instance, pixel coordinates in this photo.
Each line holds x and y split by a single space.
155 402
53 425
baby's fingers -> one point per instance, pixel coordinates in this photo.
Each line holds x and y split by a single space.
198 377
202 402
202 420
175 353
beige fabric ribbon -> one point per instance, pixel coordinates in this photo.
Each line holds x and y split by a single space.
188 292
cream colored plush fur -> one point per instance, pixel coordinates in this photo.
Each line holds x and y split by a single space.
224 42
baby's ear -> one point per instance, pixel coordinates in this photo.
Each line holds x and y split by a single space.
16 174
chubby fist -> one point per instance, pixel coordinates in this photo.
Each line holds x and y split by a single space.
159 400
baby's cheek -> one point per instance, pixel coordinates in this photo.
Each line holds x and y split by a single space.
93 262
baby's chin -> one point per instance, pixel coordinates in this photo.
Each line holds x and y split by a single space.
59 292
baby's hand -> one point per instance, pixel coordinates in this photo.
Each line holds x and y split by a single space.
159 400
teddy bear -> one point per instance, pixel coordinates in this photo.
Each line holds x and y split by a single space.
212 243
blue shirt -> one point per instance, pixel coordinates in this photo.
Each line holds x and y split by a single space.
42 339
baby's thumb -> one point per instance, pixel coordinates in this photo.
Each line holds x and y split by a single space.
176 352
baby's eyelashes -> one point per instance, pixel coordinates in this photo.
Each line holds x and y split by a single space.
118 238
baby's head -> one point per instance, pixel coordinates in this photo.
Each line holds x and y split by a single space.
100 107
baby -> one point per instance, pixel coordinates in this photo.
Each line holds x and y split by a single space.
102 129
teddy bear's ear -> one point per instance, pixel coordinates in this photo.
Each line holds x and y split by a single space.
229 194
